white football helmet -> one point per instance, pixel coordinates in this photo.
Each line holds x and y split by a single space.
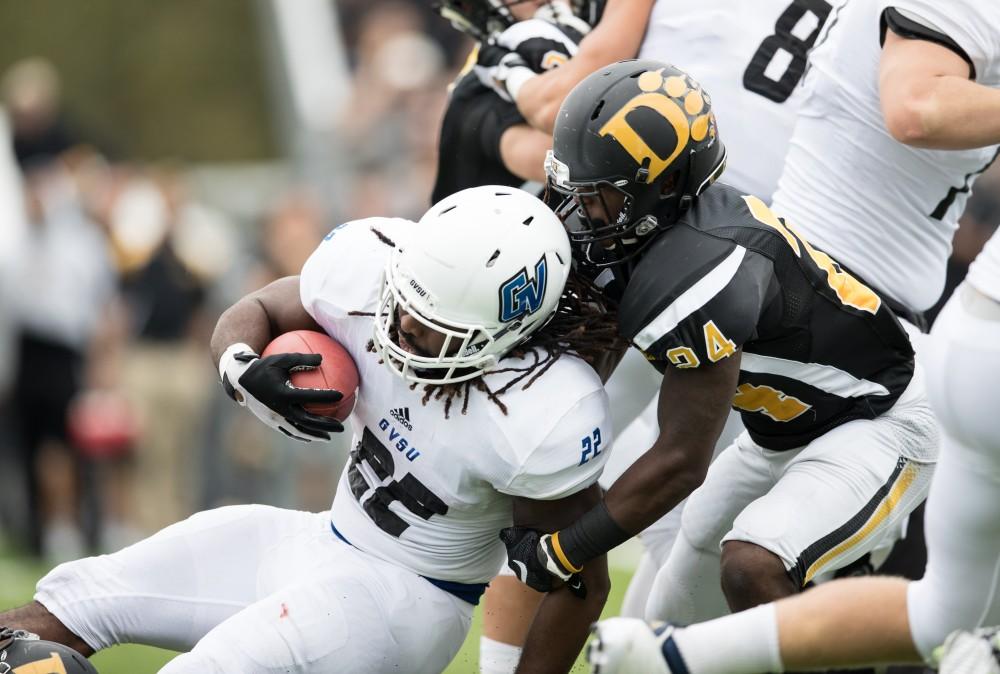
485 267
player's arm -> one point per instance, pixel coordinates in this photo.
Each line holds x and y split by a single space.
262 384
563 620
617 36
522 151
929 97
261 316
692 409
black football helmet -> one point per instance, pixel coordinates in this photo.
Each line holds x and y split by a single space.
484 20
480 19
634 144
24 652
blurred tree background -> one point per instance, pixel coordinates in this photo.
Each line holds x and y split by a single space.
184 79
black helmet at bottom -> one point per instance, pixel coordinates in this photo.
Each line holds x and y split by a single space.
633 145
24 652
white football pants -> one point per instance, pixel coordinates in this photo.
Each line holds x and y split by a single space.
259 589
960 587
818 508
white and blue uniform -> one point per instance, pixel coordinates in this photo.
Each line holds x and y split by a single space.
387 579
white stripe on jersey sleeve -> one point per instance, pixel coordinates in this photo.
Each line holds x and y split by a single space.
692 299
824 377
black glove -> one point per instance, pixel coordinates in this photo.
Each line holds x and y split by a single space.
498 66
542 45
262 385
528 558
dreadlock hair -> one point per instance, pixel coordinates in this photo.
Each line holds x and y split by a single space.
585 324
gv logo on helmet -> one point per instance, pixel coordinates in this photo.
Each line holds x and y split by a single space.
678 103
520 296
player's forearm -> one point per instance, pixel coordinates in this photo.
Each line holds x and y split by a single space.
947 113
562 623
616 37
523 149
653 486
649 489
260 316
539 98
245 322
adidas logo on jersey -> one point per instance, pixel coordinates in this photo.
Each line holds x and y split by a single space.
402 415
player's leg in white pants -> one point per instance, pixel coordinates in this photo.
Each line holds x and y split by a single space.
960 588
258 589
817 508
687 587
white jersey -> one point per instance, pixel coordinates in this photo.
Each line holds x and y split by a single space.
885 210
431 493
749 55
984 274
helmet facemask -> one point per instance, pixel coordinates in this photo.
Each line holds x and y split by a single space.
640 137
481 272
461 355
610 221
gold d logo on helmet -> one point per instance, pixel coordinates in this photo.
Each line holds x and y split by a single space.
53 665
677 102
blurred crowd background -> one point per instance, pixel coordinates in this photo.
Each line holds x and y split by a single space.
158 161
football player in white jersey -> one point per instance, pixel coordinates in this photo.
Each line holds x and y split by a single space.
862 621
472 414
901 114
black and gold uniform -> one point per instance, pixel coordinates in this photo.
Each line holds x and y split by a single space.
819 347
469 148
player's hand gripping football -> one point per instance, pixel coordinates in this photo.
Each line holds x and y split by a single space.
262 385
532 559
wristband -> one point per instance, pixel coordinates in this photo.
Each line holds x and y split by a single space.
230 354
516 77
591 536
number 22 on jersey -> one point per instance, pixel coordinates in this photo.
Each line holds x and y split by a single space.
849 290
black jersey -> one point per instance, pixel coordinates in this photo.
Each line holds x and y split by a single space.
819 347
469 148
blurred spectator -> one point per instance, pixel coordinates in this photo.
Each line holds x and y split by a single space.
400 87
63 298
32 94
13 233
171 250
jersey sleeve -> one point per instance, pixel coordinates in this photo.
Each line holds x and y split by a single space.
968 27
342 275
572 455
705 314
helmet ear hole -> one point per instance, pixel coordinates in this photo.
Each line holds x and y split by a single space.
669 185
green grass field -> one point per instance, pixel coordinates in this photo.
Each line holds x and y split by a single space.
17 584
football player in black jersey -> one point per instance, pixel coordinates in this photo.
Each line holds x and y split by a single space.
484 140
735 308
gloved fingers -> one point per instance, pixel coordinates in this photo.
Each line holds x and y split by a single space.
303 396
317 421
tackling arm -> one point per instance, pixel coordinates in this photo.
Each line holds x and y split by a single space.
692 410
563 620
617 36
928 99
